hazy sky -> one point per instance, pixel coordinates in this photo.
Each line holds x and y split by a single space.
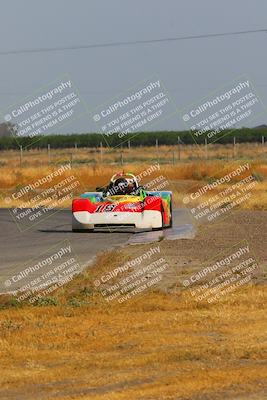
190 69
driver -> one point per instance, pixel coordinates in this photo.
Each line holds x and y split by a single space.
124 186
121 186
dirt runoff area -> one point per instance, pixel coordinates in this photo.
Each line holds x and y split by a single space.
214 242
187 337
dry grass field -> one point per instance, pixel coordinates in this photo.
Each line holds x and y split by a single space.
194 167
163 345
135 155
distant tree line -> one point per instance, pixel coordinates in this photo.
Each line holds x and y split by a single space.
243 135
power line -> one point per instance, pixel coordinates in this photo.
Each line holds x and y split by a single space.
129 43
100 92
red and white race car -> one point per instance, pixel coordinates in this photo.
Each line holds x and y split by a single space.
123 203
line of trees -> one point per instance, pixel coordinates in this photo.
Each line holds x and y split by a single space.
138 139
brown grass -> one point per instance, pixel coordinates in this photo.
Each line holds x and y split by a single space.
158 347
193 169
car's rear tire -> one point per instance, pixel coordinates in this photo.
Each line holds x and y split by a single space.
171 217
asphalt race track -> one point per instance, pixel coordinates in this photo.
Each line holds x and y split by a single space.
18 248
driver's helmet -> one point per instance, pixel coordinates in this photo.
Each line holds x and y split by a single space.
124 184
121 186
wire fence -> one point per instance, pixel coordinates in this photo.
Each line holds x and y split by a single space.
128 155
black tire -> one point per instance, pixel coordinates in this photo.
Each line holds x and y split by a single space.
171 221
82 230
162 221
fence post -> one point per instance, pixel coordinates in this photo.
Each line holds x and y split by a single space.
234 149
262 140
121 155
101 152
206 148
179 148
48 153
20 155
95 154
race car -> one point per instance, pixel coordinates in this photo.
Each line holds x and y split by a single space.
122 204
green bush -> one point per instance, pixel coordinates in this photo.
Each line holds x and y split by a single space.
46 301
